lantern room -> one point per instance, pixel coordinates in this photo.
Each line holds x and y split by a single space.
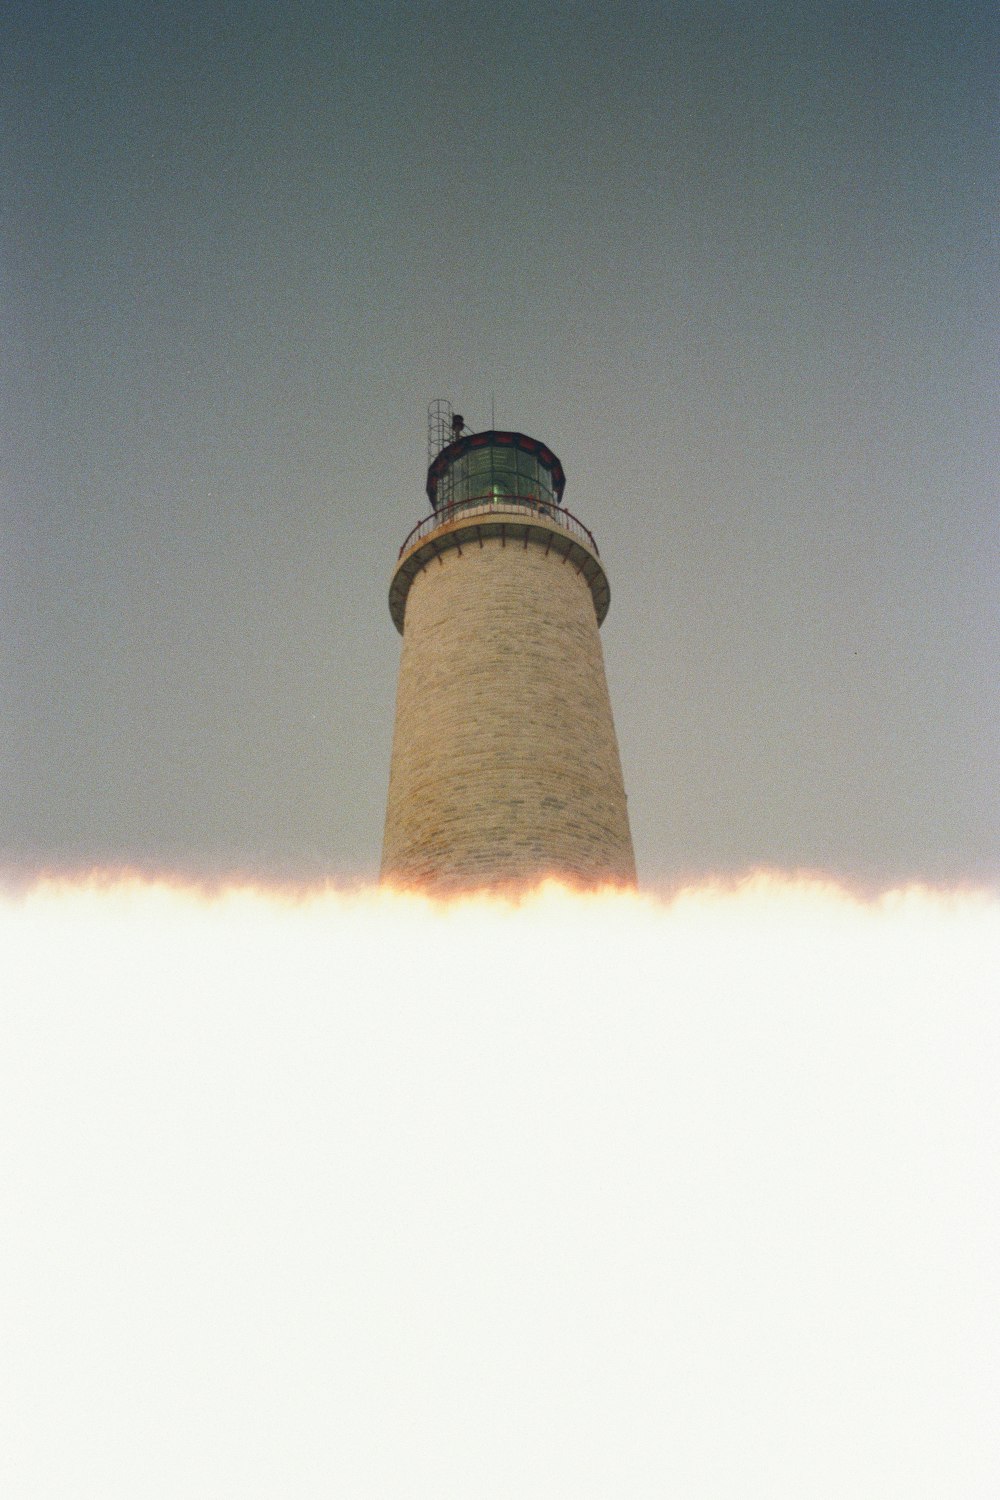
499 467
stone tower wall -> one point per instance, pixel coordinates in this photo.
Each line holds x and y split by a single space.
505 765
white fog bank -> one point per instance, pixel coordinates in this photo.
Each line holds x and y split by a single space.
351 1195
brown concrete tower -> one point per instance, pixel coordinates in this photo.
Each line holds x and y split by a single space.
505 765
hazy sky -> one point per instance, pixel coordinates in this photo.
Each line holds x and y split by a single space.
733 262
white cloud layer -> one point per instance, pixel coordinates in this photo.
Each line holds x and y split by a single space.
593 1197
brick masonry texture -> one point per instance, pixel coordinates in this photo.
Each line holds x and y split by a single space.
505 765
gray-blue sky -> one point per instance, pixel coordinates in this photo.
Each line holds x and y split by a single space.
732 262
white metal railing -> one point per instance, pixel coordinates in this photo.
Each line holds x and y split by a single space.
493 506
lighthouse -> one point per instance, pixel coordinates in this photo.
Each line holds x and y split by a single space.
505 766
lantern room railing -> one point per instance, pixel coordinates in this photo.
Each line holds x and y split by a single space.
498 505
